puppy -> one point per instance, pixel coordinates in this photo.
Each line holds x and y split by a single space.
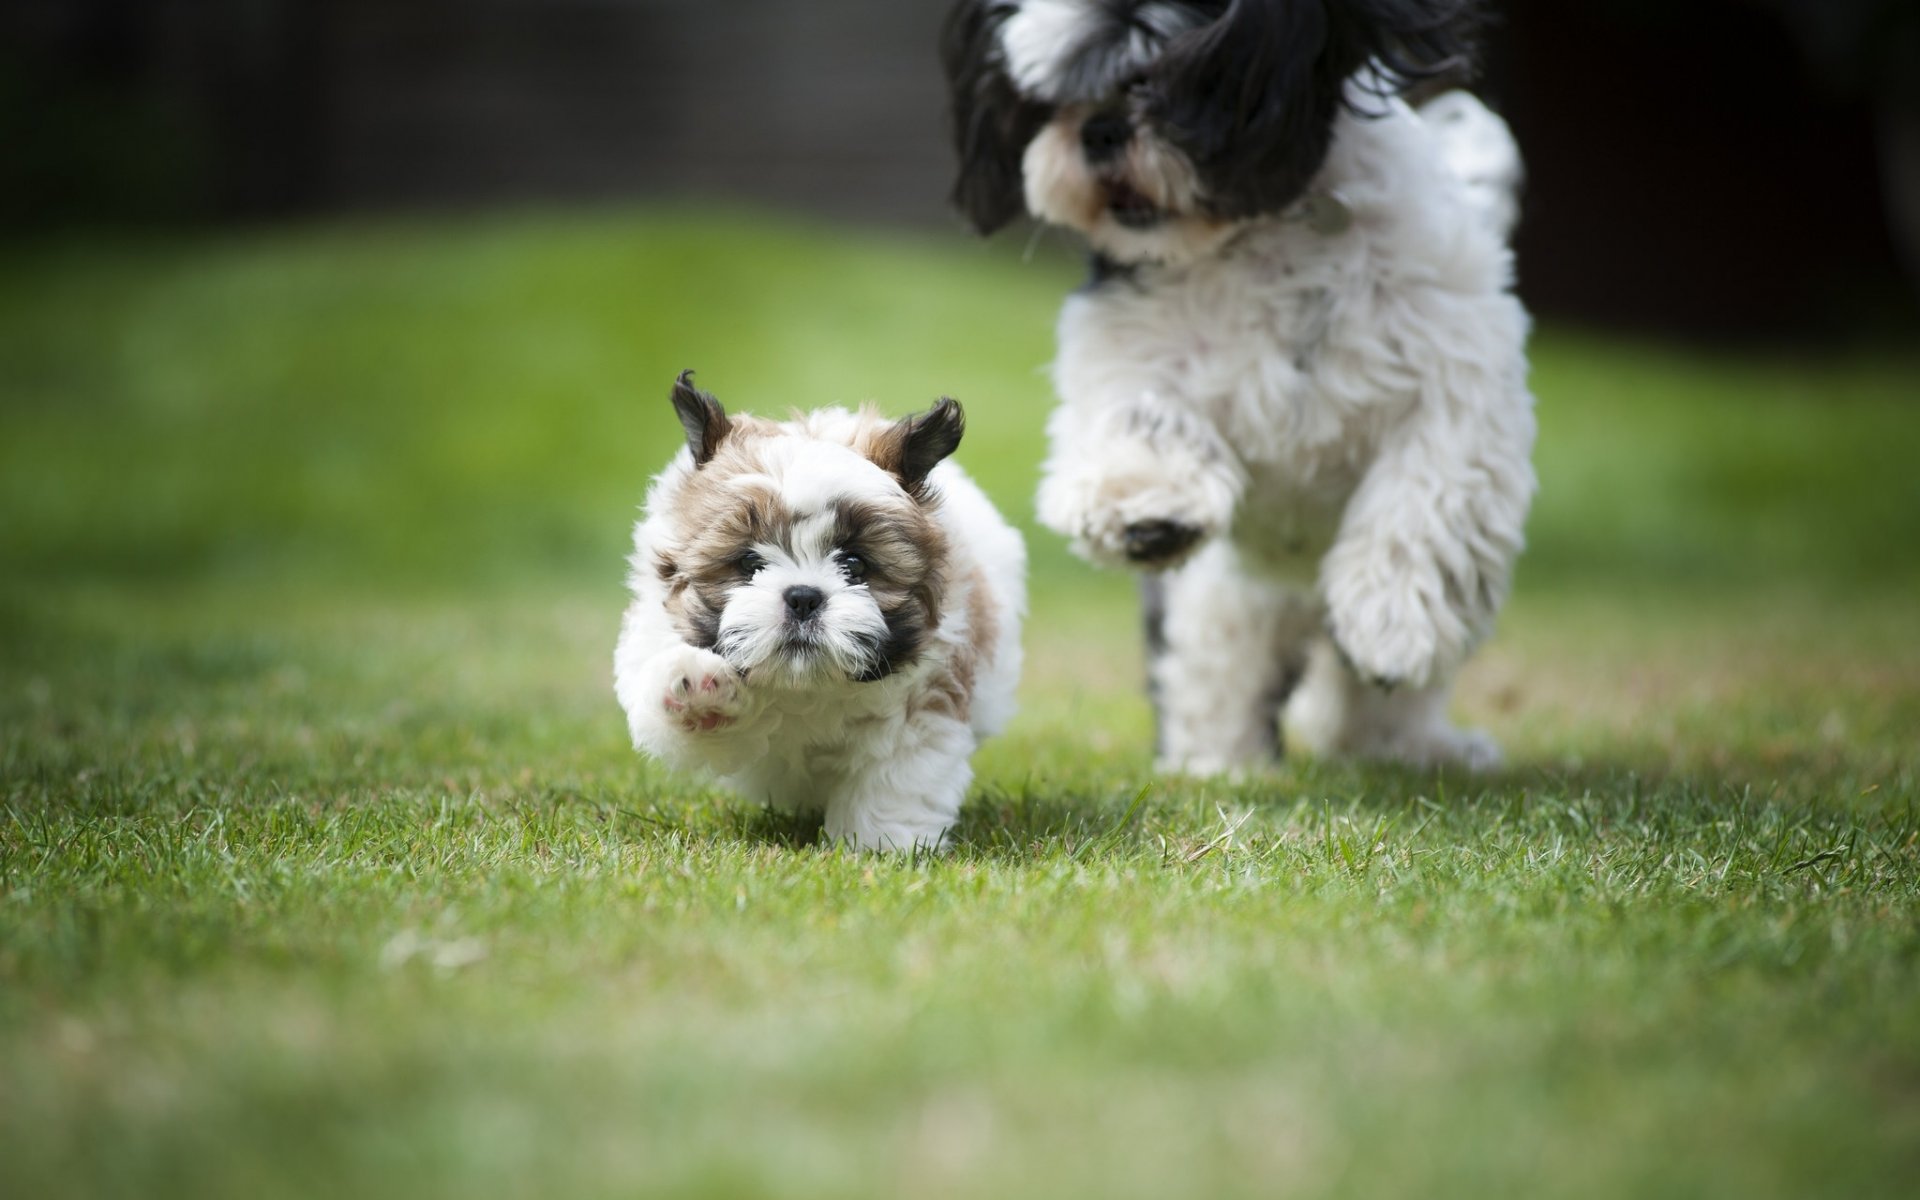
826 615
1295 387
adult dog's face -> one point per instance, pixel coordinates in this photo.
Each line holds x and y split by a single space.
1155 127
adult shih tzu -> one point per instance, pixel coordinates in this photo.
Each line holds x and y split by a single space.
1294 389
825 615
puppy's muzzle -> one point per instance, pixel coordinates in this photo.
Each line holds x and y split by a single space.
803 603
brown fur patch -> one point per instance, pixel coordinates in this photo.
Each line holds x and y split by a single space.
983 627
723 509
947 696
876 439
906 556
951 694
909 449
905 550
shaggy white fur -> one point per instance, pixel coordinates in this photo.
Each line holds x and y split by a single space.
1338 408
790 722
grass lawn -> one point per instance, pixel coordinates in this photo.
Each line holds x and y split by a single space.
325 869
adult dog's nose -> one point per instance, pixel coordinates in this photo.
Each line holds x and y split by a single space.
1105 134
803 602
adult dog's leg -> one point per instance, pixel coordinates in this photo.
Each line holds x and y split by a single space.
1426 547
1224 648
1336 714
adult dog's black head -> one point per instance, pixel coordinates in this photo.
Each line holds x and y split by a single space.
1154 126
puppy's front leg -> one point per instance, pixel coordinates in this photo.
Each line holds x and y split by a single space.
684 704
907 798
1142 483
1427 545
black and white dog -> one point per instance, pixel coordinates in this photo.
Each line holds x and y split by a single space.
1295 388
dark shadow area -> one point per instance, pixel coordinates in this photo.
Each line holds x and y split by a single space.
1036 822
1722 168
772 826
1728 169
1032 822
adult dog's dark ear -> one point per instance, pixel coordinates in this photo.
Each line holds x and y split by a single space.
1412 41
701 416
913 446
991 123
1251 97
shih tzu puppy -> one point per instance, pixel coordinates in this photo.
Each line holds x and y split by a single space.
825 615
1294 389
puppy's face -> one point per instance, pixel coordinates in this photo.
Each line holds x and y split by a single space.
1156 127
806 551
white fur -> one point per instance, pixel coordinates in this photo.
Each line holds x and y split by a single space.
1042 34
1479 148
1344 413
1039 36
888 769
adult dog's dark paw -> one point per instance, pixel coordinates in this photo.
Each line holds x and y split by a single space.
1156 543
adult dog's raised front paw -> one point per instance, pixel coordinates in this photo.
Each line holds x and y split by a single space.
1154 543
1136 509
1148 538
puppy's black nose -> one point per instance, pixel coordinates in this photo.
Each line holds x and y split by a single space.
1105 135
803 602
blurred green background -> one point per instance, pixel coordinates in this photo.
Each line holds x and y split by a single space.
325 866
335 341
456 403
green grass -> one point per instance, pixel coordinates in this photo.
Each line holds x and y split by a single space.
324 868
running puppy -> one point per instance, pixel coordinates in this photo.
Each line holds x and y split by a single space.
825 616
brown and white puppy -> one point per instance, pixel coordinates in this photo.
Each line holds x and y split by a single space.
825 616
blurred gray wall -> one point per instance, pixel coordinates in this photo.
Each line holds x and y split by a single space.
299 105
1732 168
831 104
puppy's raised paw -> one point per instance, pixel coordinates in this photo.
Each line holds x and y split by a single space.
703 692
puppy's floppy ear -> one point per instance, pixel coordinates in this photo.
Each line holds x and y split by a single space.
913 446
701 416
991 122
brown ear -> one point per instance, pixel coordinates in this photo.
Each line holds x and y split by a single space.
913 446
701 416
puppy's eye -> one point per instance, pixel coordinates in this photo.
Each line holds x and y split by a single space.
854 566
751 563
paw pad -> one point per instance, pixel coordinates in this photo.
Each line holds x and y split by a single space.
700 698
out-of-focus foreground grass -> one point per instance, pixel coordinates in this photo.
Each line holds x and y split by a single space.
324 867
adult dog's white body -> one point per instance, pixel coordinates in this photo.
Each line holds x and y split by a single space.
1294 391
1335 399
